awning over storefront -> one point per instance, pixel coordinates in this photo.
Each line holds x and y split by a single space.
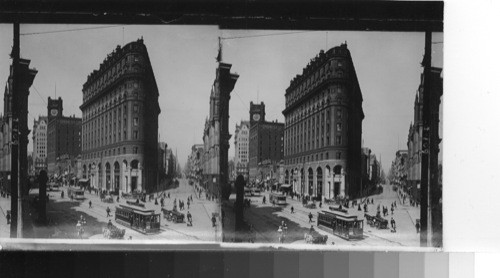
286 185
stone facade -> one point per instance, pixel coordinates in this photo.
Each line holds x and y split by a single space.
323 126
39 144
63 138
241 148
399 168
195 162
266 149
415 132
26 77
216 133
120 122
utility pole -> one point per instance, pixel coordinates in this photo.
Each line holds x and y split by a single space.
15 201
426 117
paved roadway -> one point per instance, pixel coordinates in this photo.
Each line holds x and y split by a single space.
266 220
63 215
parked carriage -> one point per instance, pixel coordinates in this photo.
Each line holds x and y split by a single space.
376 221
313 237
113 232
172 215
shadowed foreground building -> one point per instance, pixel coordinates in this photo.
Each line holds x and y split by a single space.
323 126
26 77
120 122
216 133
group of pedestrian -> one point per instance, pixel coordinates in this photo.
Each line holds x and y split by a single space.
79 229
4 194
385 211
282 232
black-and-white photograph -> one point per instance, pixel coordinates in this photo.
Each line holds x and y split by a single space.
203 134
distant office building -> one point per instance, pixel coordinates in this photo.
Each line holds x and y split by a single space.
399 168
195 162
120 122
241 148
63 139
265 145
39 144
323 118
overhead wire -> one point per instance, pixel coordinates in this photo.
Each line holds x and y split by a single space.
69 30
40 95
266 35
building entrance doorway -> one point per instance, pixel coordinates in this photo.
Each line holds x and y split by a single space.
133 184
336 189
310 180
319 182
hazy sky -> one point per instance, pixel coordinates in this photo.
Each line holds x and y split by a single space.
183 61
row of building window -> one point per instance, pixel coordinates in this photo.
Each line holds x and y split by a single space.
324 72
110 152
311 133
313 157
101 107
110 75
313 105
102 131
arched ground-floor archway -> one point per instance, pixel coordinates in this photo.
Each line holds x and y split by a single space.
108 176
116 177
318 179
319 183
117 174
310 183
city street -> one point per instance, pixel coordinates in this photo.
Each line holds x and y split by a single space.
63 215
266 219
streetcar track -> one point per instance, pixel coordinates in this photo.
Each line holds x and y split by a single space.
299 220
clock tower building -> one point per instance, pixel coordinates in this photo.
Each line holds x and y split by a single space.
54 108
63 140
257 113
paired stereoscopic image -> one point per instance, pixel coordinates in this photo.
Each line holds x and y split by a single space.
198 134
